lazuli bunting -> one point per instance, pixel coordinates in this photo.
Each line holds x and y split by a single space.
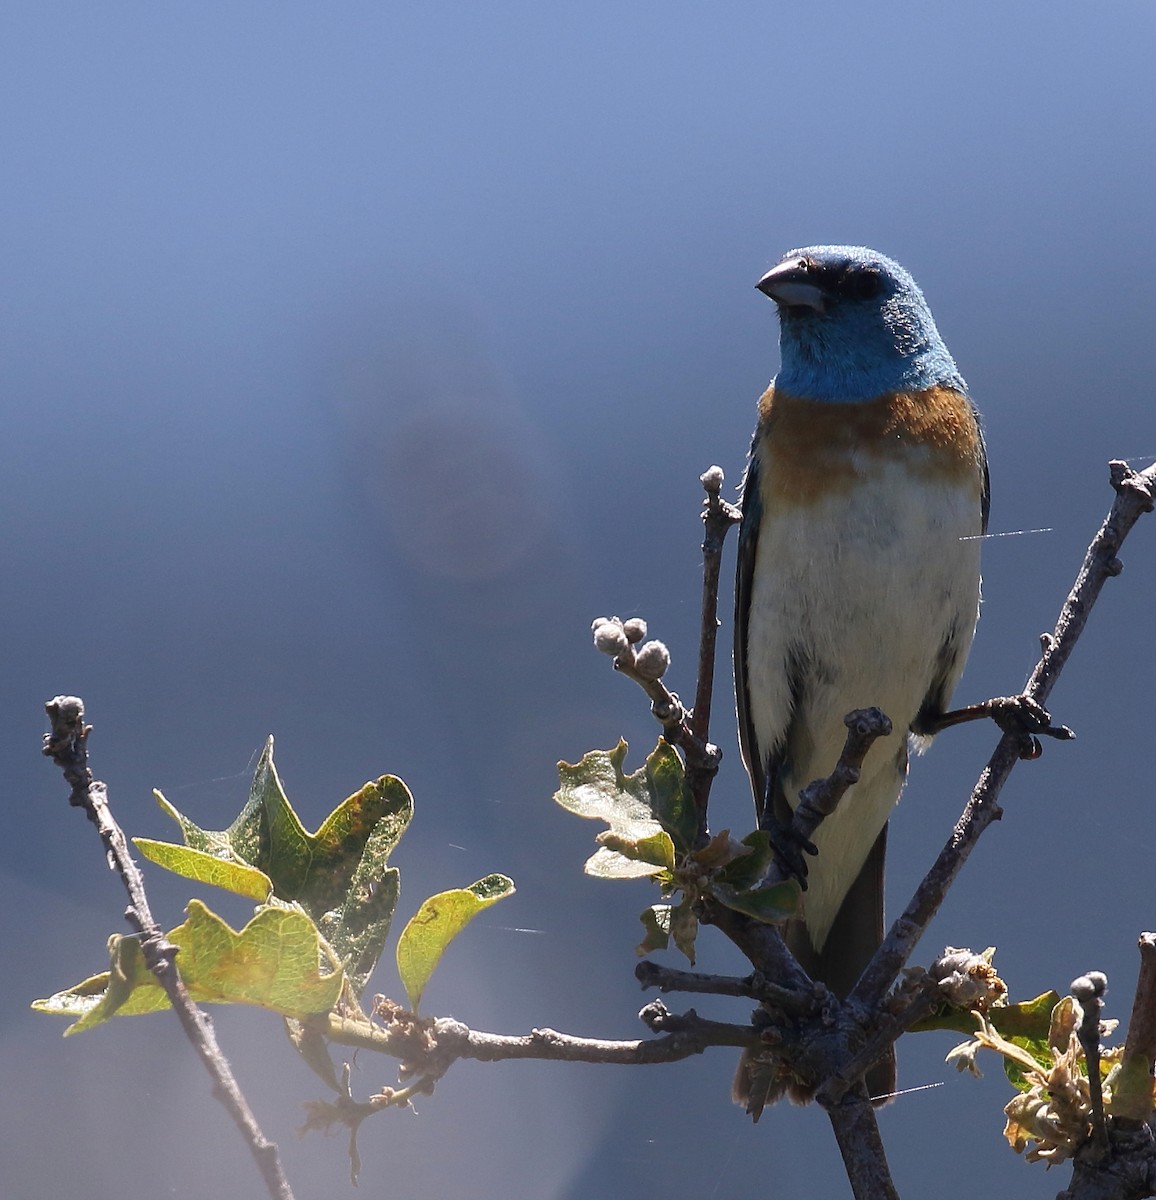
858 581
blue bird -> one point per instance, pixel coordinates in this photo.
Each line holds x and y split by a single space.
858 583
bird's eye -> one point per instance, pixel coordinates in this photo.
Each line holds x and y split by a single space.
804 264
863 284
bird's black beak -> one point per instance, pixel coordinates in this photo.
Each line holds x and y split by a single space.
788 285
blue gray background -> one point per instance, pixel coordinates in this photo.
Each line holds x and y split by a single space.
354 356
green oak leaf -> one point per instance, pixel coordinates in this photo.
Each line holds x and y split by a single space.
746 871
273 962
1036 1033
358 929
670 798
339 875
1026 1023
436 923
637 807
772 905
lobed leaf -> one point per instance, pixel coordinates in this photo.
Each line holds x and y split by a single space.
339 875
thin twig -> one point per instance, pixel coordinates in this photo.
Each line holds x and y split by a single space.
764 947
718 517
819 799
1134 497
617 638
444 1040
688 730
67 746
753 986
1089 991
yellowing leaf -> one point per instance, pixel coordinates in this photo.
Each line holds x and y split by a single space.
274 962
228 873
439 920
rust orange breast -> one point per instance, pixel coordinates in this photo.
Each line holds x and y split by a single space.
810 448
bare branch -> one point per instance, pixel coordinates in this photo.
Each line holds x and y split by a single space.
836 1086
857 1132
1127 1173
754 986
718 517
67 746
1135 496
819 799
670 979
429 1046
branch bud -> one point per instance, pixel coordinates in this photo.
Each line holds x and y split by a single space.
609 636
652 660
712 480
635 630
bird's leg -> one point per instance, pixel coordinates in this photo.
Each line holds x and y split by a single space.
1021 716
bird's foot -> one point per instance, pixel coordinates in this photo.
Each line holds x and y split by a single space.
1022 717
790 849
1027 721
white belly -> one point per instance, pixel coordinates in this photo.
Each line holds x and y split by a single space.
852 601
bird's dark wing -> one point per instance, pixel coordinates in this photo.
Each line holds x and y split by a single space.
752 505
985 500
763 763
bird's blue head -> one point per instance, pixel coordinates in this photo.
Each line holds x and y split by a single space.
854 325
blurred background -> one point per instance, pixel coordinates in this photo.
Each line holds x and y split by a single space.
355 356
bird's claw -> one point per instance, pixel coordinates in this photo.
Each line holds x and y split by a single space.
1027 721
790 849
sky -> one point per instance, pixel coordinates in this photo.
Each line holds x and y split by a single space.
354 357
